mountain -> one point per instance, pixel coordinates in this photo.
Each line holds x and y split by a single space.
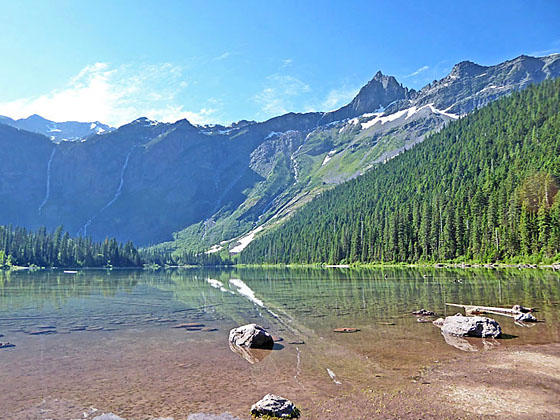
217 187
57 131
483 188
378 93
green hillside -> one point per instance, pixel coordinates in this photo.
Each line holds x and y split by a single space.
484 188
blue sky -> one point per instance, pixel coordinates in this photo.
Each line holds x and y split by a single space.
222 61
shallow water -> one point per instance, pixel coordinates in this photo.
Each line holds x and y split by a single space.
103 341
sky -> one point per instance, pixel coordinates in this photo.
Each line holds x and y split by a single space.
223 61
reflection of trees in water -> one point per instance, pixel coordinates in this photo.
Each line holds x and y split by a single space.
41 288
303 292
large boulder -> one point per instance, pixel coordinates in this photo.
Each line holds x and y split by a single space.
275 406
471 326
251 335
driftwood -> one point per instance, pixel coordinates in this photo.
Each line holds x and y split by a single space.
477 310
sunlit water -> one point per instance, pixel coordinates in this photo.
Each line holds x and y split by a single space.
104 341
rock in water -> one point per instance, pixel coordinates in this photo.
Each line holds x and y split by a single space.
471 326
275 406
424 312
251 335
522 309
525 317
438 322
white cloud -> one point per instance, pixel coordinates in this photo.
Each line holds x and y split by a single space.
418 71
113 95
337 98
287 62
222 56
278 96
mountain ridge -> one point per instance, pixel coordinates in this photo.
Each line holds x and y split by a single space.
57 131
198 186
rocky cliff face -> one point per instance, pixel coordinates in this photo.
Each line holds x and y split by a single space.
379 92
197 186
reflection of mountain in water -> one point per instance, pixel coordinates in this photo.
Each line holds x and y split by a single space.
286 297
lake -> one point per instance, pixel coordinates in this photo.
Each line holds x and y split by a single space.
103 341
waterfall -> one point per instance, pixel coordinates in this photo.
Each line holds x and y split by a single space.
48 191
115 197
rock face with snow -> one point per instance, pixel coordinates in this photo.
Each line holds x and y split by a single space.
275 406
251 335
471 326
470 86
57 131
377 94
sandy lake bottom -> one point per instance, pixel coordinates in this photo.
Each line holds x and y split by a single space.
105 342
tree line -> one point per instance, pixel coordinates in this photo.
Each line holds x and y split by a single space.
22 247
482 189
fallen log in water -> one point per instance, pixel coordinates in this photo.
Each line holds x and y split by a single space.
477 310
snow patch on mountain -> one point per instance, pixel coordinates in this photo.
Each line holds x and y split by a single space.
245 240
328 157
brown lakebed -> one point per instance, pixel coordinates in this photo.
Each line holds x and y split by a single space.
115 348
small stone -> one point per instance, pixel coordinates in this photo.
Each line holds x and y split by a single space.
275 406
42 332
189 325
6 345
438 322
424 312
251 335
346 330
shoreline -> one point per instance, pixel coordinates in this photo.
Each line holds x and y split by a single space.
488 266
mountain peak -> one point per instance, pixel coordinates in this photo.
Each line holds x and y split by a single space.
35 117
466 68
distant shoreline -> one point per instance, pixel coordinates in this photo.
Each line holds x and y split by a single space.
488 266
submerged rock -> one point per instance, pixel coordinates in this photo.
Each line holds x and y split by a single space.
275 406
525 317
189 325
251 335
423 320
438 322
471 326
424 312
42 332
346 330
